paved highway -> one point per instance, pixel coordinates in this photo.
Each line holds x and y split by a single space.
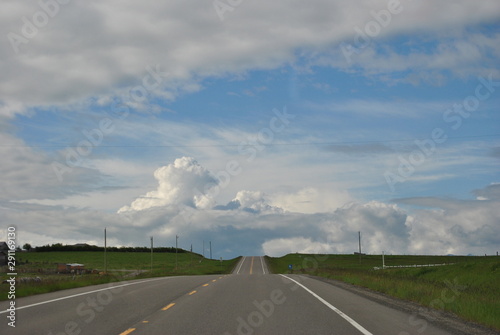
251 265
249 301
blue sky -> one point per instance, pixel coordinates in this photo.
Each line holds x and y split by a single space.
261 134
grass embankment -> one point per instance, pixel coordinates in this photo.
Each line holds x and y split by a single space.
121 266
469 288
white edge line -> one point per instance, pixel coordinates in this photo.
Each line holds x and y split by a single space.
333 308
239 268
262 262
84 293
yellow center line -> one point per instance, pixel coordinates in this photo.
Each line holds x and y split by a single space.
213 281
145 321
193 292
168 306
251 266
128 331
205 285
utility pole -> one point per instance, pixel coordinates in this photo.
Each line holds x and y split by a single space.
176 238
105 255
383 260
210 249
151 253
359 235
203 248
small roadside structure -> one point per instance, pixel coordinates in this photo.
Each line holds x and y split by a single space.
4 252
70 268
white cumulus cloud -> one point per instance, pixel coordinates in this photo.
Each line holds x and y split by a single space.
254 201
180 183
283 246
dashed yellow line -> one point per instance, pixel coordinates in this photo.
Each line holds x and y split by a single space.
251 266
168 306
130 330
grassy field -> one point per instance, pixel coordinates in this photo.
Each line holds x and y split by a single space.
121 266
469 288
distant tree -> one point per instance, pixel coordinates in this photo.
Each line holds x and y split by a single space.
27 246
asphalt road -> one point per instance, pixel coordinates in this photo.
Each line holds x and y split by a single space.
251 265
249 301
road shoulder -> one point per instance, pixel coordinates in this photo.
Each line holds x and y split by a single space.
445 320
